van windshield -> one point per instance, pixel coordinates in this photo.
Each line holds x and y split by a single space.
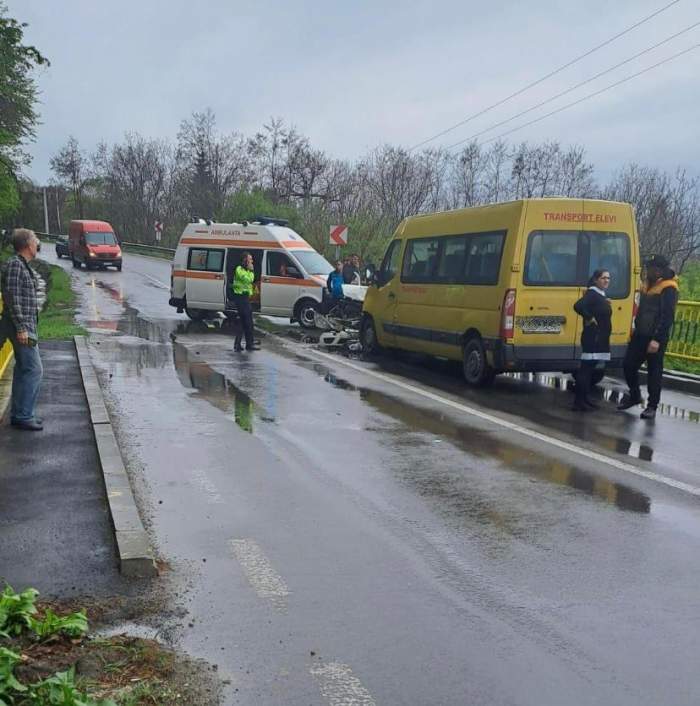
558 258
313 263
100 238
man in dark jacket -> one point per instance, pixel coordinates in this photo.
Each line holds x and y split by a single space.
20 319
652 327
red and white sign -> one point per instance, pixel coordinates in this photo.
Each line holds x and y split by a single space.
339 235
159 230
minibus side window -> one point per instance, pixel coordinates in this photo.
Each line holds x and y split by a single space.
452 259
484 258
420 260
206 260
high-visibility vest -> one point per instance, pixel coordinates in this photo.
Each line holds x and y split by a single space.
243 281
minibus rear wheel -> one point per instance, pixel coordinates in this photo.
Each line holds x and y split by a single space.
477 371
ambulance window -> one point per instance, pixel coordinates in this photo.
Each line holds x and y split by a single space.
206 260
279 265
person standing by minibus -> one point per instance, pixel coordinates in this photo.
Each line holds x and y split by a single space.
596 312
652 328
243 277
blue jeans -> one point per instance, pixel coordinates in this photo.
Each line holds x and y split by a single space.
26 382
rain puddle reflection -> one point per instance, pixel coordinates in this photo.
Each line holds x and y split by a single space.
486 445
216 389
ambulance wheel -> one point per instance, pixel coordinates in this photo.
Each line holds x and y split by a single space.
75 262
306 309
196 314
477 371
368 336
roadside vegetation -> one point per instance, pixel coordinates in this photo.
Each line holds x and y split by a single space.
48 659
57 319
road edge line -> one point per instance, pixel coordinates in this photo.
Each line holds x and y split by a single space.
136 558
520 429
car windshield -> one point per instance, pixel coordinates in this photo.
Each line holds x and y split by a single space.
313 263
100 238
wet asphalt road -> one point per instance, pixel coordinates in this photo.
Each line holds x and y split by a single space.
339 538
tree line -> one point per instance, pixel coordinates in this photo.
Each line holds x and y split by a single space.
230 177
278 172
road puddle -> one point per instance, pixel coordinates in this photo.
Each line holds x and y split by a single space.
486 445
216 388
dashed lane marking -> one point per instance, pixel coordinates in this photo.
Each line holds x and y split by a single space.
339 686
512 426
266 582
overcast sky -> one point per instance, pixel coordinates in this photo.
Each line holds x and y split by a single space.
354 75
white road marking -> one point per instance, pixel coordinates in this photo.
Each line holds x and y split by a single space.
266 582
552 441
339 686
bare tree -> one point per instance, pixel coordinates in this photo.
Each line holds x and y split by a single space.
70 166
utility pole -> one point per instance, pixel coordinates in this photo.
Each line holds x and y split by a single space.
58 212
46 213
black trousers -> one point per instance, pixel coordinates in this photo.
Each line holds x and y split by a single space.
245 317
583 379
635 356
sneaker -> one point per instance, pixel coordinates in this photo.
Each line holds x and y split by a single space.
29 425
649 413
629 401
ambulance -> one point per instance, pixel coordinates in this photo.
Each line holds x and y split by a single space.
290 276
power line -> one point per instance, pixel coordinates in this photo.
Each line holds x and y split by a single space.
592 95
544 78
573 88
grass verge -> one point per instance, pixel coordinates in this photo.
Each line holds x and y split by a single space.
57 320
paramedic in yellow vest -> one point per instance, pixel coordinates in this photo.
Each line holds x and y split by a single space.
652 328
243 277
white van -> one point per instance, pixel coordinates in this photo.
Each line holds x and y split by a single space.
290 276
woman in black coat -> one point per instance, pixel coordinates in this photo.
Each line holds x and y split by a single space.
596 311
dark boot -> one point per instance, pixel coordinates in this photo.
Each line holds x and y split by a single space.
590 403
649 413
580 406
629 401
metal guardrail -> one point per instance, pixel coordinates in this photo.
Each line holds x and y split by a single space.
5 351
684 342
143 246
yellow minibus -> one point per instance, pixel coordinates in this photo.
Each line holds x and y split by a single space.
494 286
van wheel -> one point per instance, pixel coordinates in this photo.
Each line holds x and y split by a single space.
305 311
196 314
477 371
368 336
75 262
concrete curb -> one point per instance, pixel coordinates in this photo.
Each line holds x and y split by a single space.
133 545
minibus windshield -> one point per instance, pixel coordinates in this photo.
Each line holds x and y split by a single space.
103 238
557 258
314 263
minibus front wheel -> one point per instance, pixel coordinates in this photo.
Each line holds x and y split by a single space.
477 371
368 335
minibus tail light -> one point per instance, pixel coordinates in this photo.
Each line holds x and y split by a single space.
508 314
635 309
